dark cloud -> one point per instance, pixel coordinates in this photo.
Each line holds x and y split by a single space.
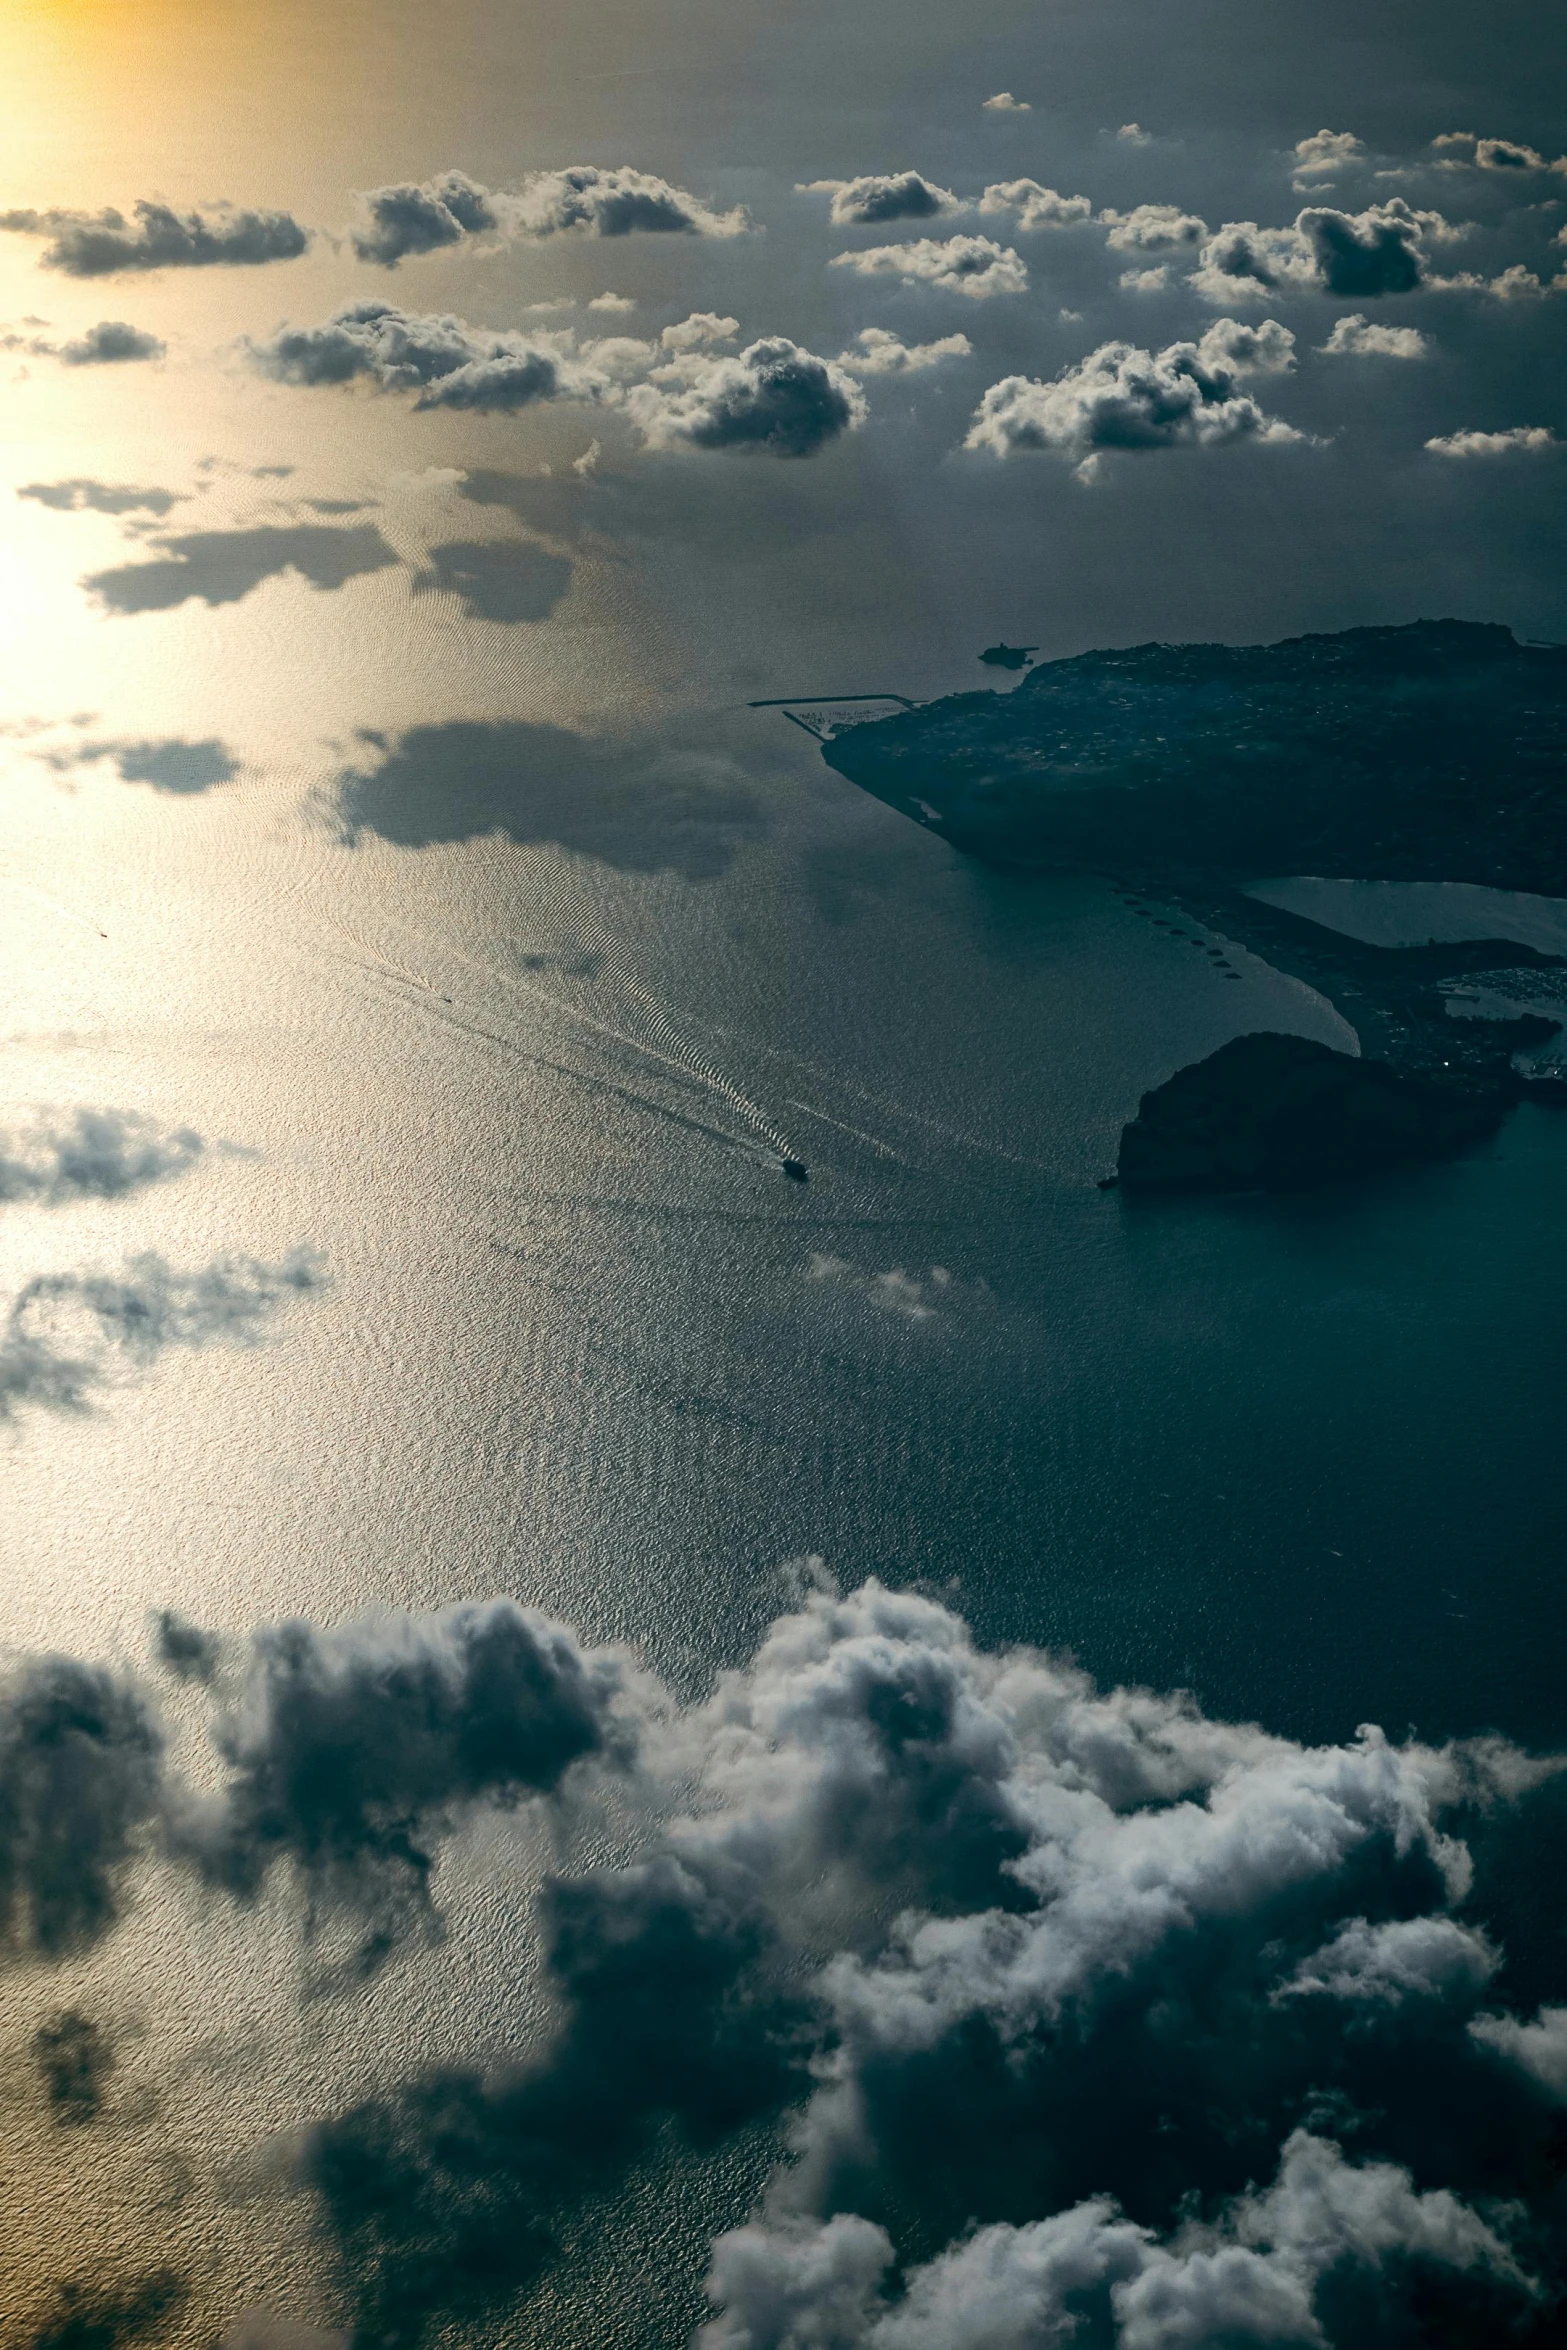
66 1334
408 219
1363 255
352 1752
103 244
222 566
1101 2008
1121 397
641 812
497 579
74 2061
109 342
187 1651
774 397
585 199
878 196
447 362
95 1154
100 497
80 1769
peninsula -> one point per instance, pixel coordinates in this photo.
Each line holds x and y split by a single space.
1435 751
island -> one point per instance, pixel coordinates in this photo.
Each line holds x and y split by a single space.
1433 751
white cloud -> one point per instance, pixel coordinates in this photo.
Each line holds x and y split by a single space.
1153 228
1144 281
1251 2275
1355 337
773 397
1530 440
1323 155
1538 2049
1123 398
1035 207
876 352
975 266
1004 103
612 302
699 331
1134 135
585 199
1402 1959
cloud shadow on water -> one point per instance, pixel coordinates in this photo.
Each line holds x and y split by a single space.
222 566
499 579
637 809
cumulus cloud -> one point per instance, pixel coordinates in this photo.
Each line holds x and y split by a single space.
774 397
1400 1959
108 343
1520 440
1153 228
66 1334
914 1296
1461 149
105 244
353 1751
421 218
80 1776
1383 250
448 363
1538 2047
1004 103
1122 397
95 1154
1518 284
1251 2276
699 332
1035 1957
877 196
976 266
1033 206
875 351
1323 155
431 216
1355 337
1144 281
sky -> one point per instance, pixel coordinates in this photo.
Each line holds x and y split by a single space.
449 1895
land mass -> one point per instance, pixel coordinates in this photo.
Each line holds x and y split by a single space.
1431 752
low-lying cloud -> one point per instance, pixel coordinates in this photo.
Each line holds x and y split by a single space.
353 1752
1518 440
448 363
67 1335
106 244
1355 337
80 1774
93 1154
